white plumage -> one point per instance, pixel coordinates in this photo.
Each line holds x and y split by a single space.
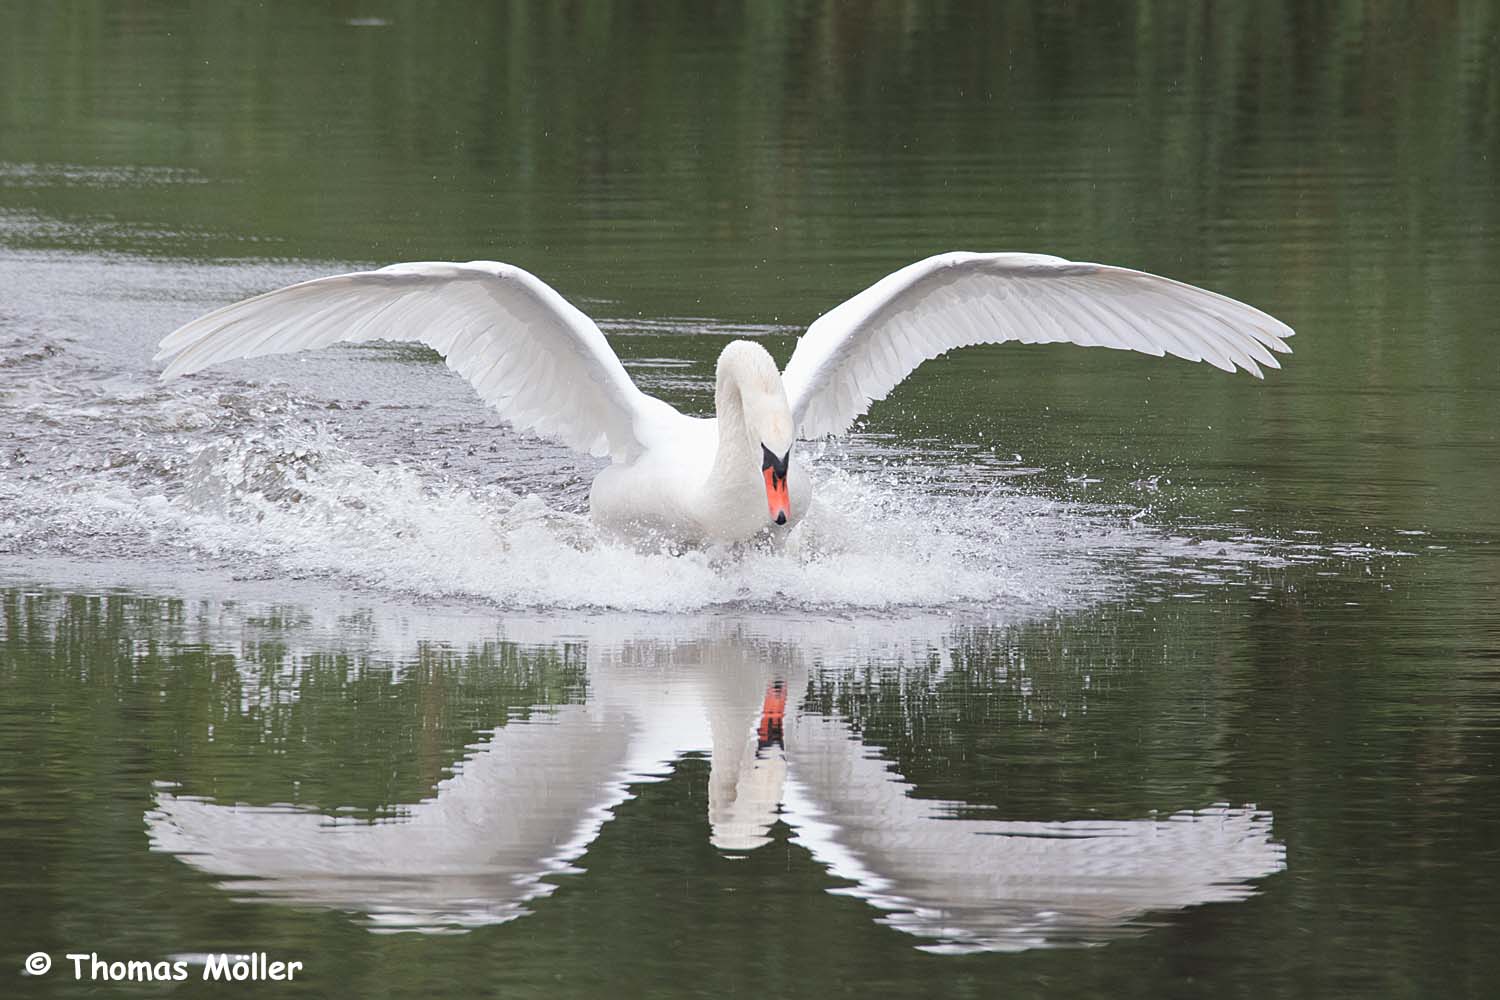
860 350
527 350
547 368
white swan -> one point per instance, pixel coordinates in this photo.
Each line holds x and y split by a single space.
547 368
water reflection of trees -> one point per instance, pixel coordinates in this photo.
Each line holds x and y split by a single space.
276 715
287 742
591 127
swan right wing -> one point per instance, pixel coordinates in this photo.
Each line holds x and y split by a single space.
860 350
531 354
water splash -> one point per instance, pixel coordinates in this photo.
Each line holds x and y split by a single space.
296 500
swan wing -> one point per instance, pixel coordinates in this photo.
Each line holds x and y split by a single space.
531 354
860 350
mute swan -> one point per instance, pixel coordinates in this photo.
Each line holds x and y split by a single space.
547 368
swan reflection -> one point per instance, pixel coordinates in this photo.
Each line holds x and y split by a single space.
534 794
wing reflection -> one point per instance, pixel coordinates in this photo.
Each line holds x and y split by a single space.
990 885
532 797
525 806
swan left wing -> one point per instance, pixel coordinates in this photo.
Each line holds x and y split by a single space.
860 350
528 352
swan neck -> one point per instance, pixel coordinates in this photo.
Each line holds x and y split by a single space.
729 407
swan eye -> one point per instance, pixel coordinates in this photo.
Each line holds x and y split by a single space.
776 466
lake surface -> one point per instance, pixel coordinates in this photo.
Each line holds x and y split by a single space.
1107 675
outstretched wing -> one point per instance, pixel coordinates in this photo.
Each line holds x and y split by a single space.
528 352
860 350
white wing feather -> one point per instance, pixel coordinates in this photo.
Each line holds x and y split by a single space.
527 351
860 350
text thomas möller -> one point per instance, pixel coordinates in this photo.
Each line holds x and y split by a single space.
221 966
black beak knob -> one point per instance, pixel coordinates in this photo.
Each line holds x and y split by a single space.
781 519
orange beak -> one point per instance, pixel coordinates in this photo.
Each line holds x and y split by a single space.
780 504
772 716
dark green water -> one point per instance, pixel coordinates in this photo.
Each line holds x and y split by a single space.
1190 593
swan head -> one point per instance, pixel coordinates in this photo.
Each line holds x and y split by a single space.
748 369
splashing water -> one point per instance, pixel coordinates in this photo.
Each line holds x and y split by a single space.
296 501
299 503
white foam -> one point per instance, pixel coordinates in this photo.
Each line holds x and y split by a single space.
299 503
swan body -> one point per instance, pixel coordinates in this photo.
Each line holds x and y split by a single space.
703 479
547 368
